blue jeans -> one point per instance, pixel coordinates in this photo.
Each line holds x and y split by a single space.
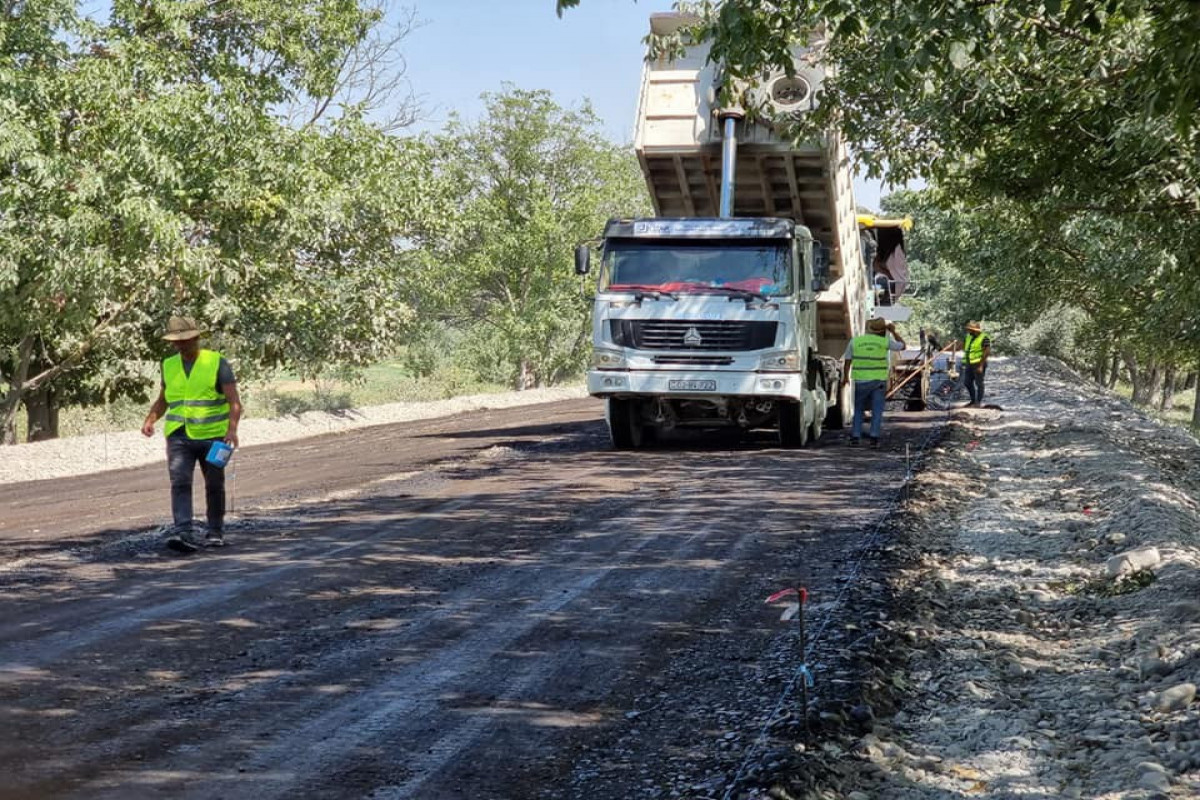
868 392
182 455
973 380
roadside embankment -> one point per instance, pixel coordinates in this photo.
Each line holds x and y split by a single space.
1048 638
81 455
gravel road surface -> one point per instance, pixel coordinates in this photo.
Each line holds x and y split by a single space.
488 605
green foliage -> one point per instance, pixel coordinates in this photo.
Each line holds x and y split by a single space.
1080 285
530 180
322 398
148 171
1115 587
1062 139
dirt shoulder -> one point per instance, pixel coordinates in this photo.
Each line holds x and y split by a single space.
1048 593
124 449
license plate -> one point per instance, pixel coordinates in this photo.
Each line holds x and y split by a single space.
692 386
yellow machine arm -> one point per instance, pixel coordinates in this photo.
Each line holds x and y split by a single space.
872 221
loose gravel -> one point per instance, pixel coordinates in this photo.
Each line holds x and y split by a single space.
1047 642
1042 627
81 455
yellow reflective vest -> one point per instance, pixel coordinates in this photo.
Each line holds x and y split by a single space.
193 401
973 348
869 357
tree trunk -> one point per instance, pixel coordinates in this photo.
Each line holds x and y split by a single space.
1154 384
16 386
1099 362
1168 389
1189 382
8 417
525 378
41 412
1196 409
1114 369
1144 379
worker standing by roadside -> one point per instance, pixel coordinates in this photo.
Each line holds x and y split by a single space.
977 346
199 397
868 355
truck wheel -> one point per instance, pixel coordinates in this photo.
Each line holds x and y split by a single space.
817 428
624 427
918 400
792 430
842 413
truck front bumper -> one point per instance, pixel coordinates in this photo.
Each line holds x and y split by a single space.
682 384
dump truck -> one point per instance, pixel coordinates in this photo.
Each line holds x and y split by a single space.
731 307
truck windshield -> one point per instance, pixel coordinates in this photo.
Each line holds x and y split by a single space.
697 267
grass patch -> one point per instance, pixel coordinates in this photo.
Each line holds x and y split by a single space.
1104 587
1178 412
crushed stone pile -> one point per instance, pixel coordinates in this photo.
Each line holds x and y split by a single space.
1048 643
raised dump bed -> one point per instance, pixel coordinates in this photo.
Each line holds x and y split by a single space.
678 140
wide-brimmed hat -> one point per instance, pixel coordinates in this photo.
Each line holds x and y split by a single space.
877 325
180 329
974 327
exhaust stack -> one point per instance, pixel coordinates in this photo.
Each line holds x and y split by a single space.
729 119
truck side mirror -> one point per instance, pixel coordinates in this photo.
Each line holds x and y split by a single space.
820 267
583 259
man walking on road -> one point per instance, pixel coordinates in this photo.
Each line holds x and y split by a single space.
868 354
199 397
976 348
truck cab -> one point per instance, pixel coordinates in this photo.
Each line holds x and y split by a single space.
707 322
732 306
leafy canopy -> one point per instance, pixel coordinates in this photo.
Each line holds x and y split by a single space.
531 179
149 168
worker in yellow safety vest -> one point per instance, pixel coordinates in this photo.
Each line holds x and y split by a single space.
977 346
868 355
199 401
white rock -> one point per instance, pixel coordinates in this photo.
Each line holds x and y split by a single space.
1176 697
1132 561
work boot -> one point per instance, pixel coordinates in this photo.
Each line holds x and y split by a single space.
853 441
182 540
874 442
214 539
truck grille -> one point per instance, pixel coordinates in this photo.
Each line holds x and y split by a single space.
708 335
695 361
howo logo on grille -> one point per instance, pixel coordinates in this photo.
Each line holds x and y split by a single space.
692 338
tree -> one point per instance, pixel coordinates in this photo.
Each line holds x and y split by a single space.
1010 94
1093 286
532 180
147 169
1062 136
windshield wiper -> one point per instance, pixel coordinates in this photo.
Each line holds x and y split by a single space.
738 294
642 291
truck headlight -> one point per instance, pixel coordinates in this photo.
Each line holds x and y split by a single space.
603 358
779 361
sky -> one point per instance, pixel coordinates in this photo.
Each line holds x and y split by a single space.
463 48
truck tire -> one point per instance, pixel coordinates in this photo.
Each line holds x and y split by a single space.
792 430
624 425
842 413
816 428
918 397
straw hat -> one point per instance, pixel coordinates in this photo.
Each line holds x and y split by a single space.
974 327
181 329
877 325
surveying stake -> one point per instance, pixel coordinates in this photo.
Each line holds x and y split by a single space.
795 610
